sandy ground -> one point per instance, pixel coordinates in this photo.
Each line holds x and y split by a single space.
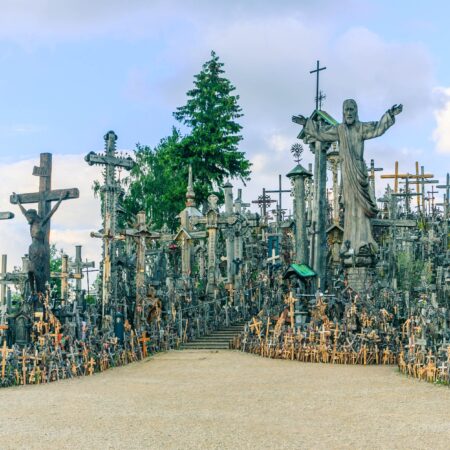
217 400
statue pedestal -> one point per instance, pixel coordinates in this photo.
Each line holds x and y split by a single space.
358 278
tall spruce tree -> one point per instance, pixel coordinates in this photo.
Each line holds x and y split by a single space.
211 112
158 182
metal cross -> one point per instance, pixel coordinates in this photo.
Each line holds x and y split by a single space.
316 71
279 191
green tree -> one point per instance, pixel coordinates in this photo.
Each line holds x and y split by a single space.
158 182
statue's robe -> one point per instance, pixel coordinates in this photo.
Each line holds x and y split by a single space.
359 204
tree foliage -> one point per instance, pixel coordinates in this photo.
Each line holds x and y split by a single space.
158 182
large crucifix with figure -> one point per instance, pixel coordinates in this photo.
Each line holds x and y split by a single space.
39 221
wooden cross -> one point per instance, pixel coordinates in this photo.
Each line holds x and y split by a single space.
140 234
446 186
78 266
432 197
4 352
290 300
64 277
397 176
255 327
273 257
317 71
45 195
372 170
143 340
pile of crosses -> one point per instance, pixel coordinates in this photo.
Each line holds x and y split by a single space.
361 336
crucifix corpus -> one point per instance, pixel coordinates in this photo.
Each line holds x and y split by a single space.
39 221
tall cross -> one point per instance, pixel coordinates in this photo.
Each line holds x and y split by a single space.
372 170
279 191
432 197
397 176
446 186
77 266
110 196
44 198
263 202
140 234
316 71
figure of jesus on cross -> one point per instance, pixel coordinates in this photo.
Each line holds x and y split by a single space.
39 221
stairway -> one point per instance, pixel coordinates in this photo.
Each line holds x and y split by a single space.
217 340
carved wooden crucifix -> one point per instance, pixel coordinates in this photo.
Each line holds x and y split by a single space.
39 252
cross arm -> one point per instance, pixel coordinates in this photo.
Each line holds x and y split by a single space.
93 158
6 215
49 196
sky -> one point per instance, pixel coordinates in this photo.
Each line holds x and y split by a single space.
70 71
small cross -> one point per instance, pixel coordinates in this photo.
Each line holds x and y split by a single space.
316 71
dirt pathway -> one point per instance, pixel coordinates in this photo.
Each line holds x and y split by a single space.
218 400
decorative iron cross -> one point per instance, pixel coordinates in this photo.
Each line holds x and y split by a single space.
316 71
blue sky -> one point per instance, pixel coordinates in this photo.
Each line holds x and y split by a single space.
72 70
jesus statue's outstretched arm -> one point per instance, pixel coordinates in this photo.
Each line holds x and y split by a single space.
372 130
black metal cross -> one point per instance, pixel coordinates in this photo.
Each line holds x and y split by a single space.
316 71
263 201
279 191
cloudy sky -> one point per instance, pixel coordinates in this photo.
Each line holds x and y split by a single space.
72 70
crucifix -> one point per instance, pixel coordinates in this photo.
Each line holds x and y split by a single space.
39 251
316 71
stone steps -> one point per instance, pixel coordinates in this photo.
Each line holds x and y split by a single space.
218 340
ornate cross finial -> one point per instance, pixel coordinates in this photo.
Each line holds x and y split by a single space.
190 194
110 141
297 150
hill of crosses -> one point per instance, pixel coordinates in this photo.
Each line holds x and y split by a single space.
347 278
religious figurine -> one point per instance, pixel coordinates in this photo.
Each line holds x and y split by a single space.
359 204
38 252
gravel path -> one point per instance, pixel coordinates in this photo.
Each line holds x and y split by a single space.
228 400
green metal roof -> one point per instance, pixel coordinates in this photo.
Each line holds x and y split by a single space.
323 115
302 270
299 170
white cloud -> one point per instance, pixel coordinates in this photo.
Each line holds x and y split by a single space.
441 134
74 220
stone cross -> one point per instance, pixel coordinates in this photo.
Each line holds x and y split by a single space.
40 265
